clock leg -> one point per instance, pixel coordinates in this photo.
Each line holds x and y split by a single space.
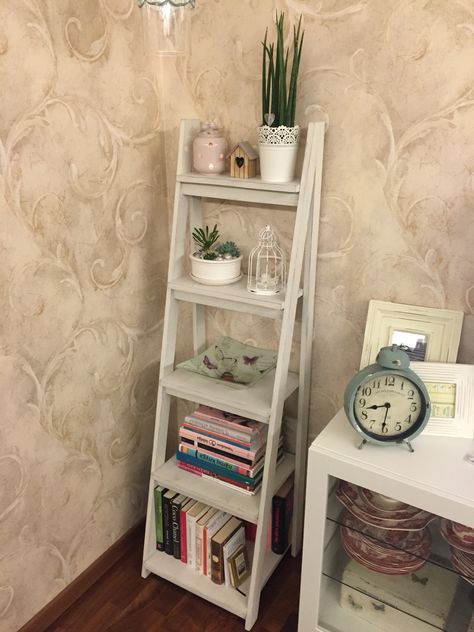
409 446
362 444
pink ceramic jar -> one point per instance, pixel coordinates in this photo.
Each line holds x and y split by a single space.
209 149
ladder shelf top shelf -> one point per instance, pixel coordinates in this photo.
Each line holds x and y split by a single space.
254 401
228 296
213 493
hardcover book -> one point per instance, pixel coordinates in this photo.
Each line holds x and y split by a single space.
167 521
282 513
217 548
182 530
158 495
200 526
215 523
176 504
192 516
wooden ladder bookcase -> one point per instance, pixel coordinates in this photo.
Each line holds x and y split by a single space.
264 401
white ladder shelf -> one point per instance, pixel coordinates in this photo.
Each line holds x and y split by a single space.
265 400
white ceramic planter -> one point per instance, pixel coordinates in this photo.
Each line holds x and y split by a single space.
217 272
278 149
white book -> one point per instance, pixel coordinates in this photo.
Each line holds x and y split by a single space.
200 526
192 516
213 526
235 542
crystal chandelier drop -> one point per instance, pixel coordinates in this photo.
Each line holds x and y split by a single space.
267 265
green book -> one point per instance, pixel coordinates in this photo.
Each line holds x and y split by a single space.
158 492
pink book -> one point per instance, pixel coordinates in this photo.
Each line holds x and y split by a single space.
182 530
213 442
236 422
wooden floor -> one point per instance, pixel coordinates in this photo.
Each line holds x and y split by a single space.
121 601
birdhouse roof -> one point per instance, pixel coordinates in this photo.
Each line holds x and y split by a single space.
247 148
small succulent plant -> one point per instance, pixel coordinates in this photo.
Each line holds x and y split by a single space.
206 240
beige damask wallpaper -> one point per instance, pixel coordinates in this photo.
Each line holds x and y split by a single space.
88 128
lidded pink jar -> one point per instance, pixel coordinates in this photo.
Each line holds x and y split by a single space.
209 149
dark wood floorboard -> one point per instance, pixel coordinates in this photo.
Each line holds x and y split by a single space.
121 601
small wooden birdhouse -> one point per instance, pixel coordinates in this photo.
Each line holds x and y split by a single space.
243 161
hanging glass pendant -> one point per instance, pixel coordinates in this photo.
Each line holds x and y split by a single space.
166 25
267 265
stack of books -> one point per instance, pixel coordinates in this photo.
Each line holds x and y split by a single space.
224 447
209 541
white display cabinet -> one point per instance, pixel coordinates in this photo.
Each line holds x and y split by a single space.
340 595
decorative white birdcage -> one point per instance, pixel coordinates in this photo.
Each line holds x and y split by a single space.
267 265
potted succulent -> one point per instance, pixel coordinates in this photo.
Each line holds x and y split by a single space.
214 263
278 134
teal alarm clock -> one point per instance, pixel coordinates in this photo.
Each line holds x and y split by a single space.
387 402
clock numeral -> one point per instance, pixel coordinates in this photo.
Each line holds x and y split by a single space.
367 391
390 380
376 384
411 393
364 415
362 402
398 427
371 422
408 419
402 384
384 429
413 407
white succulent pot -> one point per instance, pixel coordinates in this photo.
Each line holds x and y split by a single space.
278 148
217 271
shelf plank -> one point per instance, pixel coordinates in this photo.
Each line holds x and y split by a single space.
217 495
225 180
175 571
234 296
253 402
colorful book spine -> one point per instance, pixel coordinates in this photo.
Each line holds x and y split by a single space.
220 471
229 464
199 471
201 423
220 444
167 522
218 436
229 420
282 512
158 495
183 554
215 523
176 505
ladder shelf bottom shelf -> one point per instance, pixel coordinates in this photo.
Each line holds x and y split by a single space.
253 401
214 493
175 571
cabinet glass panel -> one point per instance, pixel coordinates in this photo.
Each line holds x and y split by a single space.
389 567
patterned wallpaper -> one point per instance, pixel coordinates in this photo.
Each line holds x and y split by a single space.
88 135
84 255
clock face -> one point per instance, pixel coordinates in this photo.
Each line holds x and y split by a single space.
388 406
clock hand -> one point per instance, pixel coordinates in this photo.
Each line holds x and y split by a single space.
374 407
387 406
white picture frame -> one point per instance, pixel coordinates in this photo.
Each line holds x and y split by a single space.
451 389
433 333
